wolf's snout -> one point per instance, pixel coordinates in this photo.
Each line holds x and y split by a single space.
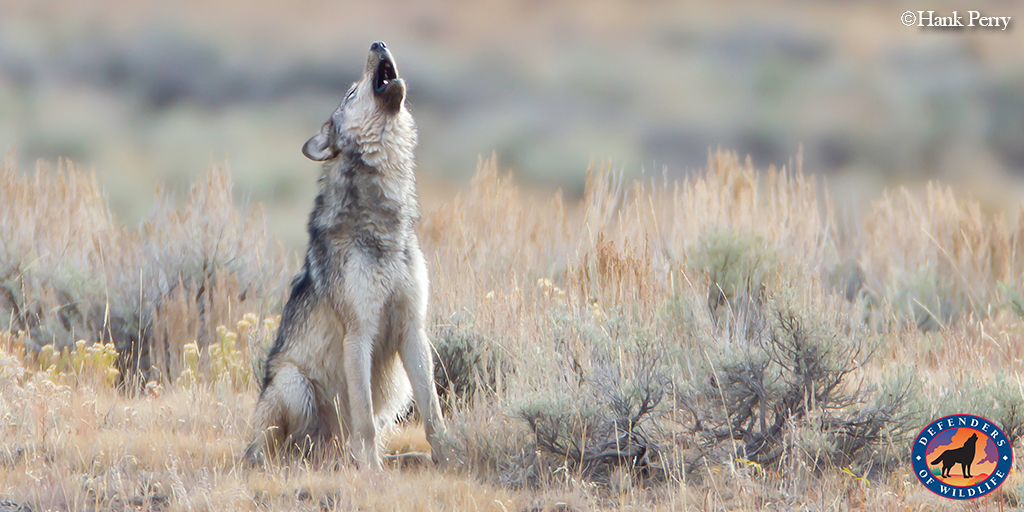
377 46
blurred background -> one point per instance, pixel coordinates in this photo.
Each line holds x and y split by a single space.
154 92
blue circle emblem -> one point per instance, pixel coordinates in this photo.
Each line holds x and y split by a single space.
961 456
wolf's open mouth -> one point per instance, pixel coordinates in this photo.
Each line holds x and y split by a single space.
384 75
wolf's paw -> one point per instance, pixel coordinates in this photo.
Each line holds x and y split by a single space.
253 458
441 455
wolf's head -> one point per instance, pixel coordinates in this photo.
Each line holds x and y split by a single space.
971 440
372 119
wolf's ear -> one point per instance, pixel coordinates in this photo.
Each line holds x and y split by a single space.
319 147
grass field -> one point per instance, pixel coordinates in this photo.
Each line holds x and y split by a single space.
728 342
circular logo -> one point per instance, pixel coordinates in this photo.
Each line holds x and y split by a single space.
961 456
909 18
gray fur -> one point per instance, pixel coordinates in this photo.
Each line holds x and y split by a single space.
352 347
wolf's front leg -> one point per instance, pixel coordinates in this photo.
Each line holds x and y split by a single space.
358 373
361 305
419 365
417 354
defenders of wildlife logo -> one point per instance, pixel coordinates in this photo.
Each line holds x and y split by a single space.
961 456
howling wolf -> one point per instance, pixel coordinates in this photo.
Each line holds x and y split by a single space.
963 456
352 336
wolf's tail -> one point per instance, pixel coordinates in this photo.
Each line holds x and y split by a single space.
938 459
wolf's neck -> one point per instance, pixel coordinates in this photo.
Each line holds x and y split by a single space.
366 205
355 183
384 142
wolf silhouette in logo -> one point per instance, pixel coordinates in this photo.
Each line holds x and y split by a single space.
963 456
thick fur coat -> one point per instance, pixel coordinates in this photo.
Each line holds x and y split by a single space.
352 347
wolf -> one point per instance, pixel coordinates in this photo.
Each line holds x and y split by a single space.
352 345
963 456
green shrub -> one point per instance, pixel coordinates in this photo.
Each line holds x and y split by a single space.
997 399
464 366
1012 299
610 421
740 269
931 301
797 385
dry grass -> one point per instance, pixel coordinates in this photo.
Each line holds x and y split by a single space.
572 315
69 271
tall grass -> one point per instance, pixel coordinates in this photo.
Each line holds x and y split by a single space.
609 353
70 271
